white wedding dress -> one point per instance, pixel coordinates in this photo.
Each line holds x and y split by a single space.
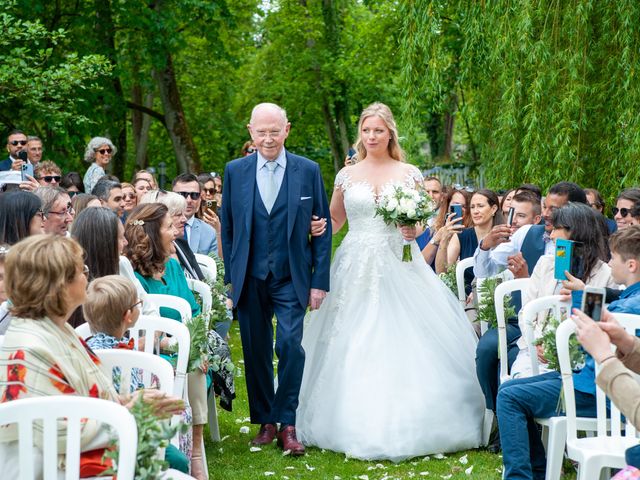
390 370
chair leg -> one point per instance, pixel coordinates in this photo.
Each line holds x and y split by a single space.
556 440
214 429
589 470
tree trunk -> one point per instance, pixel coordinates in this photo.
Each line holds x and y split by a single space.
334 137
141 123
449 123
187 156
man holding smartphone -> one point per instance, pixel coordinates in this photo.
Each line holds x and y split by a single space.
16 142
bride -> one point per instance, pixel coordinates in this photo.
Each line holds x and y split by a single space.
389 371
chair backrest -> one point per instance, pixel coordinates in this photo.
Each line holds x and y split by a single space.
502 290
171 301
149 364
151 326
204 291
208 266
631 323
529 314
74 409
461 267
1 340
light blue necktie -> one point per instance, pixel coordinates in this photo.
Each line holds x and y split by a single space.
271 192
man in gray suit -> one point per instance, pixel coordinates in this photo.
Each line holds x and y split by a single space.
201 236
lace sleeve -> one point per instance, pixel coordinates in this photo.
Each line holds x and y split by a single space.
414 177
342 180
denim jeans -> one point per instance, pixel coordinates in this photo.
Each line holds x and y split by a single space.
519 402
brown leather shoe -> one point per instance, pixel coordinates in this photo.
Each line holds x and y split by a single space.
266 434
287 441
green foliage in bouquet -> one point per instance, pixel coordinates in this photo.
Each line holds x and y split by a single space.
449 278
152 436
487 305
550 352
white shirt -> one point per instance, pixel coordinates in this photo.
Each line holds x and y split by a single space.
487 263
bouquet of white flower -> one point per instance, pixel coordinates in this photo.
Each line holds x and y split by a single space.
404 206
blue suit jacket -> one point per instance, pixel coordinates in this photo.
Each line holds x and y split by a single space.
202 238
309 257
5 164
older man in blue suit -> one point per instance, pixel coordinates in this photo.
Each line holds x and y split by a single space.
274 266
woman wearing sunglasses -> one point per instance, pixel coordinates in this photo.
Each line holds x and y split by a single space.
99 153
625 202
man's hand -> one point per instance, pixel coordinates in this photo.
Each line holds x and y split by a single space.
318 226
316 297
498 234
17 165
518 266
30 184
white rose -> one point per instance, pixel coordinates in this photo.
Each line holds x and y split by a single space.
411 213
404 202
411 205
392 204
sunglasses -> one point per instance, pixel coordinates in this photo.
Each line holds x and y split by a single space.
51 178
193 195
210 191
18 142
623 211
459 187
104 151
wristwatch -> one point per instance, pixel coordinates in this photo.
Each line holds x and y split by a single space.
433 242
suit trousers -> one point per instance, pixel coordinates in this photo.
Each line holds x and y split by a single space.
259 301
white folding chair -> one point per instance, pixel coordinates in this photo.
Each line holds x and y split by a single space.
175 303
605 450
1 340
204 291
502 290
208 266
461 267
74 410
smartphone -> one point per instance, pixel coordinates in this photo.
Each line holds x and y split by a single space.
568 257
211 205
456 209
593 302
510 215
22 155
26 169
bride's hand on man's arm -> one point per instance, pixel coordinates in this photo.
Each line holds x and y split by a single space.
318 226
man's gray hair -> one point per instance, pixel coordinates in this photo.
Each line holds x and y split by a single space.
48 196
33 138
269 106
94 144
103 188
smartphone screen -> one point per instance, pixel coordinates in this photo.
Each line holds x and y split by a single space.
592 303
456 208
512 212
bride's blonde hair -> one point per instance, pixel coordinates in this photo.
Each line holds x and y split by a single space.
380 110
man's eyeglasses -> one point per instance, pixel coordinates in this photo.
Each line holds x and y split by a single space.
104 151
15 143
138 304
210 191
50 178
67 211
193 195
623 211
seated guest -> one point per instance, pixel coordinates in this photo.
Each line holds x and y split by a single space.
181 250
522 400
202 237
84 200
141 187
129 197
113 307
150 233
101 235
99 153
148 176
72 183
595 201
46 282
109 192
576 222
485 214
48 174
21 215
57 209
625 202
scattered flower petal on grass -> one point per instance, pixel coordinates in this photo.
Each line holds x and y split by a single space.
426 459
255 449
446 477
463 460
439 456
336 477
424 474
244 429
286 452
363 477
289 468
268 474
469 470
310 468
224 438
